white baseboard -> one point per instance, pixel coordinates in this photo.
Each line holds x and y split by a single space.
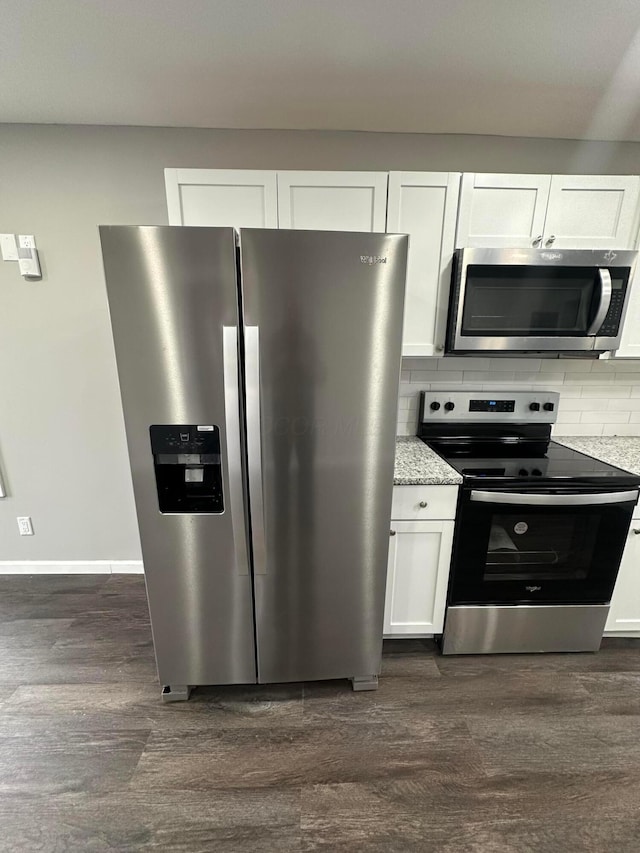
623 634
71 567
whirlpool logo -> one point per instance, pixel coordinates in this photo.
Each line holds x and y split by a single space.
533 588
372 259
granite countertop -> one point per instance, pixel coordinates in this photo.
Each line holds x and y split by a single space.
619 450
419 465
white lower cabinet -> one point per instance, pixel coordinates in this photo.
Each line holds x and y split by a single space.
417 577
624 615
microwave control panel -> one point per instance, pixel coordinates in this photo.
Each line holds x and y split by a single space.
611 324
522 406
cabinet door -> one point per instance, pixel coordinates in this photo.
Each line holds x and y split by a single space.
417 577
240 198
333 201
498 211
630 343
425 205
624 616
592 212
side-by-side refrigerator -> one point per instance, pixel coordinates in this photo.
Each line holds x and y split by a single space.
259 376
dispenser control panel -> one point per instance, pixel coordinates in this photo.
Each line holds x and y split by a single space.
204 438
186 459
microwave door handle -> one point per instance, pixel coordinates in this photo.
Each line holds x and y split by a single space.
517 498
605 301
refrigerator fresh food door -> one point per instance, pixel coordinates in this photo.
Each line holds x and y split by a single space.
173 302
323 327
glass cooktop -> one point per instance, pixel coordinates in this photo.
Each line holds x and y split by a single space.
530 461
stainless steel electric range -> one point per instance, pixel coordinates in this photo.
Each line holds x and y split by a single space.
540 528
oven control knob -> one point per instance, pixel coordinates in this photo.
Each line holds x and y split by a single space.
523 472
536 472
535 407
548 407
449 407
435 406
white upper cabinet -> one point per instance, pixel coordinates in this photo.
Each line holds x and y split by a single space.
592 212
630 343
333 201
241 198
424 205
545 211
502 211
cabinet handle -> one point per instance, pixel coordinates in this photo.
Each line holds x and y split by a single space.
551 240
423 504
392 533
537 241
636 530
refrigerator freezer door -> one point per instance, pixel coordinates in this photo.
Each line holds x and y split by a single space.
323 315
173 302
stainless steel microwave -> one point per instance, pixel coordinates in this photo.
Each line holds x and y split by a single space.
538 300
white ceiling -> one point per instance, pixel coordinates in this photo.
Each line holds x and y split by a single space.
556 68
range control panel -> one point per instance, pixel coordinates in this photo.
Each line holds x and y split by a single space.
522 406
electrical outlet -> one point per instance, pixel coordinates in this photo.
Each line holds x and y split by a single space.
24 525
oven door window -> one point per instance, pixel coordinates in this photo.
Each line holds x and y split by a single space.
525 301
523 546
518 553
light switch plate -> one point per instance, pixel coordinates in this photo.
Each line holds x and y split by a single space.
8 247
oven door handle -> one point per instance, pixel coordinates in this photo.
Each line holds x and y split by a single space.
605 301
517 498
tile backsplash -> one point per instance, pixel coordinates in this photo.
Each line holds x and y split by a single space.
597 397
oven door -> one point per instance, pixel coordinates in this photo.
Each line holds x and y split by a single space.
541 547
518 301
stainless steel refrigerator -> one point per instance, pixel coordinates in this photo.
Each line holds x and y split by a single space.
259 378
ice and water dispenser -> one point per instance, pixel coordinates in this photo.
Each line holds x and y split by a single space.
187 466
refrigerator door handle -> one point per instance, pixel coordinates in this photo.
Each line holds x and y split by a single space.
234 453
254 449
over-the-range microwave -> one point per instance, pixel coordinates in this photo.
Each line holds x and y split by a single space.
538 300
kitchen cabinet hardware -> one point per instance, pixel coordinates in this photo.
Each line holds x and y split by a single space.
424 504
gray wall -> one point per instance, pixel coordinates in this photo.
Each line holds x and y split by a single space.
61 432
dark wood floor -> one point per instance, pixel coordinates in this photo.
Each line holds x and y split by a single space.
481 754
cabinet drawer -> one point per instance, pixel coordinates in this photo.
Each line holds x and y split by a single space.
424 502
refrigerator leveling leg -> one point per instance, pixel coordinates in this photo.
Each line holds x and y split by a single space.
175 692
365 682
